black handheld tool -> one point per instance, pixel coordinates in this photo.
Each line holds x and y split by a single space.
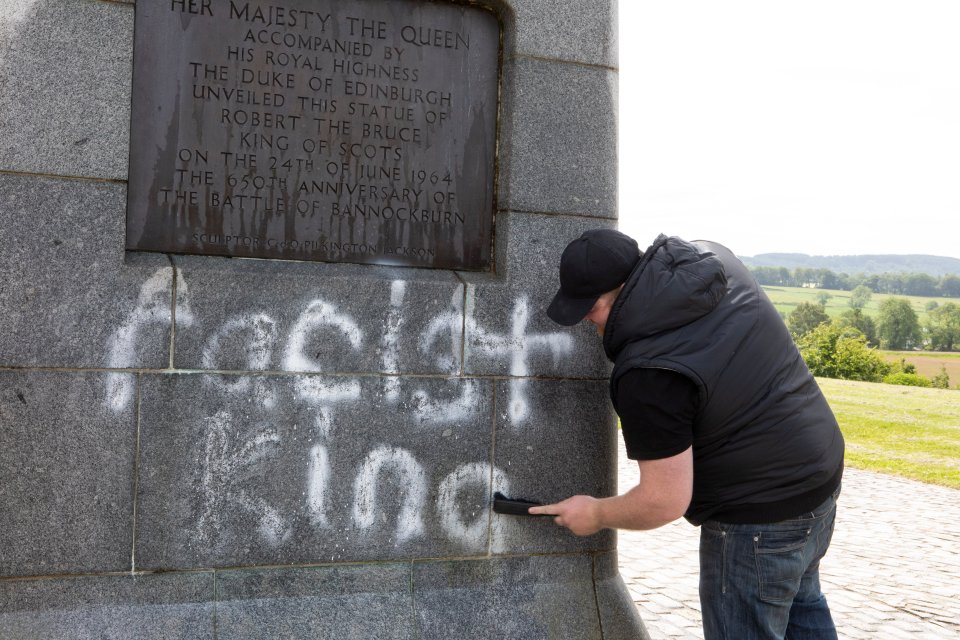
504 505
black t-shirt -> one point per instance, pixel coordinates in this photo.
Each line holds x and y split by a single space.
656 409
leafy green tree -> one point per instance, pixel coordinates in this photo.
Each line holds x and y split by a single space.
827 279
903 367
806 317
860 297
872 282
942 379
805 276
920 284
898 326
823 298
943 327
950 286
767 276
889 283
834 352
860 321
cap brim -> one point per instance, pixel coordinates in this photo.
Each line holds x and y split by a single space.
568 311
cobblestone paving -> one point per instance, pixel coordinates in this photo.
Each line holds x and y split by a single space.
892 571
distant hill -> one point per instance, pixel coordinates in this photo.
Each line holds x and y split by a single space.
932 265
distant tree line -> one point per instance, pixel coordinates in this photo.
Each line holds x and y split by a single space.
902 284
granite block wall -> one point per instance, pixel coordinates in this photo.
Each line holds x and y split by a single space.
205 447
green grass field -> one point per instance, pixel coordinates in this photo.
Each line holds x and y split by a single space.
785 299
906 431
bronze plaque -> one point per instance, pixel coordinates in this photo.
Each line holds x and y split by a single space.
337 130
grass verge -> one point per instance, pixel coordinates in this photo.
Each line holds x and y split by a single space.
906 431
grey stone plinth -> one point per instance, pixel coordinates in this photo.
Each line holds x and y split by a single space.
579 30
560 130
535 598
564 445
66 475
250 315
618 613
150 607
248 470
367 601
69 296
507 328
65 104
198 447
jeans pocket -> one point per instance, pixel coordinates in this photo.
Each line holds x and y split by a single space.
781 562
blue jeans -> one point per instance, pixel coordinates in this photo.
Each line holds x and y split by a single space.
763 581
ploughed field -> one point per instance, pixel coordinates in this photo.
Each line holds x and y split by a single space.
929 363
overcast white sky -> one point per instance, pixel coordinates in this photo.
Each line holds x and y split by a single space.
821 127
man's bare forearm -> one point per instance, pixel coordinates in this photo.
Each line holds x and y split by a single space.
636 509
662 496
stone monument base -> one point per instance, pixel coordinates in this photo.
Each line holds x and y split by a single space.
576 597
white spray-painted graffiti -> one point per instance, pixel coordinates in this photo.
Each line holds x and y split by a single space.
153 308
228 458
470 533
518 345
225 464
262 332
408 474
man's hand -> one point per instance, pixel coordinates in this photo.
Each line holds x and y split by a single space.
663 495
580 514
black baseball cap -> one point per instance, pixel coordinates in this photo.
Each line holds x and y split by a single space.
598 261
